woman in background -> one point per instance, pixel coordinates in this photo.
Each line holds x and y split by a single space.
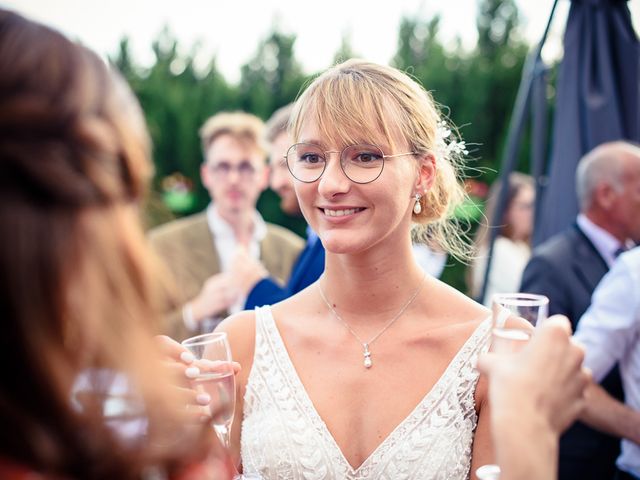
82 395
512 247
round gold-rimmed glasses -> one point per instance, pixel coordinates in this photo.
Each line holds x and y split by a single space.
361 163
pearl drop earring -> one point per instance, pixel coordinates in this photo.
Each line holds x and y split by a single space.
417 208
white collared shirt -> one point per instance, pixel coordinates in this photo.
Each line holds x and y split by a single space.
225 243
605 243
610 332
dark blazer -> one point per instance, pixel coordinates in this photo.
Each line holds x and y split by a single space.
566 268
307 269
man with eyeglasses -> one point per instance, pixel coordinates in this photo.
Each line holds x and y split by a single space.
200 249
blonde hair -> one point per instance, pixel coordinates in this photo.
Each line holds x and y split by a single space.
244 127
356 101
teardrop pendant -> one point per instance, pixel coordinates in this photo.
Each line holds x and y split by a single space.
367 356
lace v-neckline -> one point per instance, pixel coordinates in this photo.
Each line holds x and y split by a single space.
320 426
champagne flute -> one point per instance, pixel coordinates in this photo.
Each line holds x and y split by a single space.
507 312
216 378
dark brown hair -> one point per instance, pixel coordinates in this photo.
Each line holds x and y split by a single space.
517 181
79 285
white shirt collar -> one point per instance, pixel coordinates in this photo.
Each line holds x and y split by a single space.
225 243
219 227
605 243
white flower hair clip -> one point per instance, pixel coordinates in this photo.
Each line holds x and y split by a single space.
446 146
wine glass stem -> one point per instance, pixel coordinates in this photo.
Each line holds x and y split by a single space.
224 434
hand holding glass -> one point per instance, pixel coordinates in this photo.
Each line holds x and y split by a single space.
509 311
216 379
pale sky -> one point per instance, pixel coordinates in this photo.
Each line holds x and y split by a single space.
232 29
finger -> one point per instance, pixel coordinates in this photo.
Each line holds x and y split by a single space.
171 348
486 362
578 347
177 369
181 371
558 321
191 396
217 366
197 414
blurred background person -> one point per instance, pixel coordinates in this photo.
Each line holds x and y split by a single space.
200 249
80 287
567 267
610 333
250 274
512 247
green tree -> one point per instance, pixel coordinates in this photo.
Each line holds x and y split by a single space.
345 50
177 97
477 86
273 77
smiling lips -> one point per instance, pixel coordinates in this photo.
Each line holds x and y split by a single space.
341 212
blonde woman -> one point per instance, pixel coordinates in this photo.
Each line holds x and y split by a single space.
369 372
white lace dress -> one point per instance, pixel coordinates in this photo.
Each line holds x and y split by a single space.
284 438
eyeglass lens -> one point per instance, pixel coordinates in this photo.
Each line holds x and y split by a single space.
361 163
244 169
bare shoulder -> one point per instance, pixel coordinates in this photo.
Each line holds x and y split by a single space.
241 330
457 307
466 315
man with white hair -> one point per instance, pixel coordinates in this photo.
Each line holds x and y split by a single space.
567 267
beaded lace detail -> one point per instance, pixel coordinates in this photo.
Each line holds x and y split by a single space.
284 438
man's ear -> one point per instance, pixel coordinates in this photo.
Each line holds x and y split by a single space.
263 178
605 195
426 172
205 174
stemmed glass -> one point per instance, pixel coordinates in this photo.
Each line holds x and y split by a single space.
510 334
216 378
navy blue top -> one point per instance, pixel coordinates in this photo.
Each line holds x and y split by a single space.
307 269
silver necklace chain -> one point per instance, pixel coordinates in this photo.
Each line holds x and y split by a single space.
365 345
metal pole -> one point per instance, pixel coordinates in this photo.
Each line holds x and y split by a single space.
514 136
